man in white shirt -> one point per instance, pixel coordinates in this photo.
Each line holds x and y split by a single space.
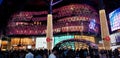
29 54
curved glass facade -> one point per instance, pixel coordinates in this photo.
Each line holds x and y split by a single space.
69 18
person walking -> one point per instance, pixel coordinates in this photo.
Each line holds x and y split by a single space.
54 53
29 54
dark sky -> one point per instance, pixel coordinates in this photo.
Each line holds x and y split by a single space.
1 1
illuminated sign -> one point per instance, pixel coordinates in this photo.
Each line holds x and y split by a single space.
115 39
58 39
115 19
41 42
88 38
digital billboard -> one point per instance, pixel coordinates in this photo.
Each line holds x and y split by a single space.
115 19
93 26
115 39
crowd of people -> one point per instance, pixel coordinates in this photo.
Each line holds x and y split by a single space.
61 53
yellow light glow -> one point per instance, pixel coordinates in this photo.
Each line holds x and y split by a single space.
88 38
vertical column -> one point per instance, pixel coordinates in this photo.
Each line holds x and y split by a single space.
104 28
49 34
49 31
1 40
50 24
0 43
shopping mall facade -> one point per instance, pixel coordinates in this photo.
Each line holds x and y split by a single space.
77 22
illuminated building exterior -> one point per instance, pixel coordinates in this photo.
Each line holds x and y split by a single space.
74 20
24 23
114 18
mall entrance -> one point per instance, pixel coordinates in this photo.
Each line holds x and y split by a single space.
75 44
